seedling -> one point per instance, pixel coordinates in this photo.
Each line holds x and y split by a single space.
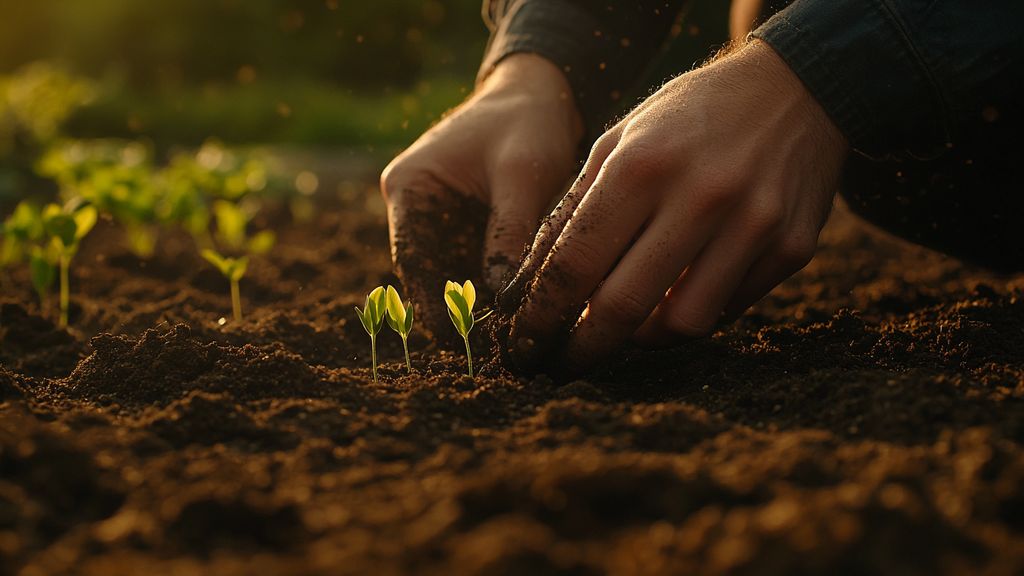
460 300
372 318
233 269
400 319
65 228
231 224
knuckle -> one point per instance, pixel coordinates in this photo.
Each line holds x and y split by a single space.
766 217
392 177
711 195
640 162
796 251
604 145
574 260
619 307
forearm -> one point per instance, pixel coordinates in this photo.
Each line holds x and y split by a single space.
601 47
900 77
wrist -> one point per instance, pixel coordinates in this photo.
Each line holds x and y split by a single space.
536 80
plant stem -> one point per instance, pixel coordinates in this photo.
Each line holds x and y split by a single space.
408 364
373 353
236 301
469 356
65 290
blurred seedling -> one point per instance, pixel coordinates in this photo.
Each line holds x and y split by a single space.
191 182
117 178
50 238
399 315
231 222
372 317
460 301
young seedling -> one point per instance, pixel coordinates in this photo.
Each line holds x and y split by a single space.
400 319
65 229
372 318
233 269
231 224
460 300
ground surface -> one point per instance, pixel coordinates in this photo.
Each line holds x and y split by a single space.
867 418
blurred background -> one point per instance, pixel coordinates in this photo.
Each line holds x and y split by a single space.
309 72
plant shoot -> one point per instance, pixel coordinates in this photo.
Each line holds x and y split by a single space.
400 319
460 301
372 318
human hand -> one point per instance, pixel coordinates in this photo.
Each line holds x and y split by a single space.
511 147
696 204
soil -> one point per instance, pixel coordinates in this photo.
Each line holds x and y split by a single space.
867 418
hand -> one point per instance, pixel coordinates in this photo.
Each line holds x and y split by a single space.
698 202
512 147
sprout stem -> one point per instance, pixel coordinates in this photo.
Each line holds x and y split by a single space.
408 364
373 354
236 301
469 356
65 290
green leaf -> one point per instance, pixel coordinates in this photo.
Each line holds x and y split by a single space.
85 219
262 242
465 316
217 260
43 271
408 317
469 293
62 227
231 222
363 320
453 308
396 309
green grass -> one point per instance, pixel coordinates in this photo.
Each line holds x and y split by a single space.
302 113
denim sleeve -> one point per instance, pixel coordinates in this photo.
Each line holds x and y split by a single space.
604 47
903 77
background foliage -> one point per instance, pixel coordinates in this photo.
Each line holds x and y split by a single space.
329 72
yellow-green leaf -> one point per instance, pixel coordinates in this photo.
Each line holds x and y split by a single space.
469 293
395 307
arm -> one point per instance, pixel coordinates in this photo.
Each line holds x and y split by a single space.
603 47
899 76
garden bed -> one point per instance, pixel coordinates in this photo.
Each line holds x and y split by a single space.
866 418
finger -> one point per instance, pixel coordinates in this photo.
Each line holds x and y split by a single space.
518 199
637 285
551 227
694 304
779 263
606 221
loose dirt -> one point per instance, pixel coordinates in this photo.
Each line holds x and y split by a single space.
867 418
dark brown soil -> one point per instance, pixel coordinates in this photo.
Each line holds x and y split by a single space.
867 418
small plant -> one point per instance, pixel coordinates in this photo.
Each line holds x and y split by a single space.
400 319
231 231
372 318
460 300
50 238
233 269
63 230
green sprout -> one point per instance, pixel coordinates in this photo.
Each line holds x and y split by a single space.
231 231
115 177
372 318
64 227
460 300
233 269
400 319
